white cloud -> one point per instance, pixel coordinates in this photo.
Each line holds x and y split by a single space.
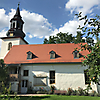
2 34
3 19
84 6
70 27
36 24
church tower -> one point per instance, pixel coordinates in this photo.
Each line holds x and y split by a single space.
16 27
15 35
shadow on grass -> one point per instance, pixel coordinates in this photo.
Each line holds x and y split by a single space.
34 97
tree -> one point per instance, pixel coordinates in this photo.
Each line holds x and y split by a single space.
91 29
65 38
79 38
3 71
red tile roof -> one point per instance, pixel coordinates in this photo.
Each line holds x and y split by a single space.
18 53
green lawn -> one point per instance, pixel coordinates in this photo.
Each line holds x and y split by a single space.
59 97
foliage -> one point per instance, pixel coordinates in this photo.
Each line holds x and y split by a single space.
42 91
65 38
80 91
69 91
3 71
5 95
30 90
91 29
52 88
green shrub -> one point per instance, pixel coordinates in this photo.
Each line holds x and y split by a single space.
80 91
69 91
52 88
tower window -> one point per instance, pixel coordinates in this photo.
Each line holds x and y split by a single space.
14 25
9 46
29 55
52 54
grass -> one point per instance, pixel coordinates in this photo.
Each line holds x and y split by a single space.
59 97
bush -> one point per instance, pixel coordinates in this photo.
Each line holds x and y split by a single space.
52 88
80 91
5 95
69 91
30 90
74 92
93 93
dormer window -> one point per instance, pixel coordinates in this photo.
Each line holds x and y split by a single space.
52 54
9 45
76 54
29 55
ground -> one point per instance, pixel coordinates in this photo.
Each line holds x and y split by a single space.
59 97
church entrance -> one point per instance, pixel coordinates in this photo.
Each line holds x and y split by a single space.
24 86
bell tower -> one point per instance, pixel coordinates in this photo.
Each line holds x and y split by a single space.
16 26
15 35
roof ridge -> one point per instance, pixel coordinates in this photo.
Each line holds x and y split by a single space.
50 44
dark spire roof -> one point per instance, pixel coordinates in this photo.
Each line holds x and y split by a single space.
17 12
17 15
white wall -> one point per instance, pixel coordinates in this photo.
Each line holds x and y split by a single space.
22 42
4 45
66 75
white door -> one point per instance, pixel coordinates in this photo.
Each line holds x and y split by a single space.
24 84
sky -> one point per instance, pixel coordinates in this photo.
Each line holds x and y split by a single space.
46 17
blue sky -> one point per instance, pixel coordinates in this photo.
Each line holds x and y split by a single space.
46 17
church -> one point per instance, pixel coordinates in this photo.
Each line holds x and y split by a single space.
41 65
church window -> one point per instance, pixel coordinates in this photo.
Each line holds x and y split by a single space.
76 54
52 54
29 55
9 46
52 77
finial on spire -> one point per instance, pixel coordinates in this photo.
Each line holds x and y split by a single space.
18 4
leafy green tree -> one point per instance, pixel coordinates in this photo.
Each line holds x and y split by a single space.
3 71
65 38
79 38
91 29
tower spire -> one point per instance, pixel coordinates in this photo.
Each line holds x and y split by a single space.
18 4
16 29
17 11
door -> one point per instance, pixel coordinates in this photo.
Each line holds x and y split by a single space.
24 86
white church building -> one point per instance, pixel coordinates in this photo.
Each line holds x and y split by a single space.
41 65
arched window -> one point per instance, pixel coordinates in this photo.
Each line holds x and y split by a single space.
14 25
9 45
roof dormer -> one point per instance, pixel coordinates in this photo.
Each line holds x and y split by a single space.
29 55
52 54
76 54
